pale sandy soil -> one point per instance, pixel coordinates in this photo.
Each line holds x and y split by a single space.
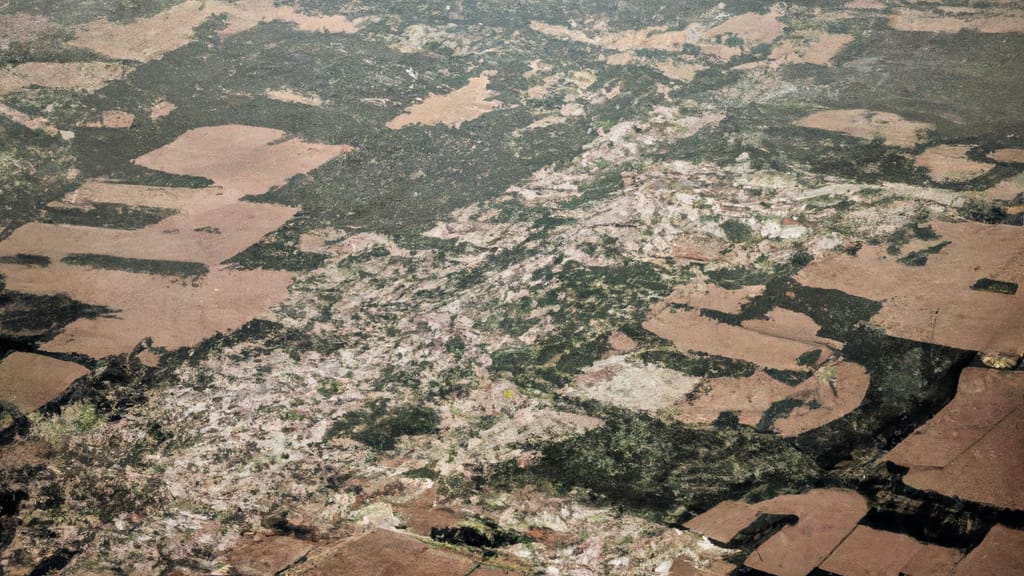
268 555
88 76
870 552
1010 155
751 27
31 380
690 331
180 199
815 48
998 553
212 226
826 518
972 448
985 21
935 302
462 105
1006 190
949 163
161 108
242 159
682 71
30 122
618 382
286 95
150 38
867 124
835 390
113 119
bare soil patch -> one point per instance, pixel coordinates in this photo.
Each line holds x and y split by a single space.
29 381
285 95
818 48
973 447
243 159
424 513
385 552
621 383
1001 552
150 38
180 199
23 28
1006 190
867 124
949 163
174 313
266 555
467 103
87 76
935 302
985 21
690 331
871 552
714 297
161 108
1009 155
826 518
751 27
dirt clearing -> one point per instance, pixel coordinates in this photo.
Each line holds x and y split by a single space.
825 518
150 38
244 160
871 552
867 124
467 103
32 123
950 163
87 76
1008 155
31 380
292 97
985 21
935 301
815 48
972 449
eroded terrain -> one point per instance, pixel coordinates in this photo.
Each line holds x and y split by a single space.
325 287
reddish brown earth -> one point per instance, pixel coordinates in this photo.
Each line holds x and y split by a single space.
973 448
31 380
934 302
268 555
1001 552
423 513
385 553
690 331
467 103
870 552
826 518
868 124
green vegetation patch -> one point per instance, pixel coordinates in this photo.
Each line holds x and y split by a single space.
380 427
920 257
139 265
103 215
998 286
33 260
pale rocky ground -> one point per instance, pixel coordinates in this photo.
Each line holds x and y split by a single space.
414 392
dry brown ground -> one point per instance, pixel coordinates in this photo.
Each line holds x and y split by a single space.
690 331
212 226
113 119
935 303
949 163
31 380
1001 552
161 108
815 48
150 38
467 103
867 124
88 76
286 95
267 555
871 552
826 518
384 553
973 448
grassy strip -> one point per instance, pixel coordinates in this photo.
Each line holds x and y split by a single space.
138 265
